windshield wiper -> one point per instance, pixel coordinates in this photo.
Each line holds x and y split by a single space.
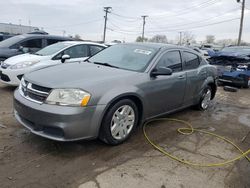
106 64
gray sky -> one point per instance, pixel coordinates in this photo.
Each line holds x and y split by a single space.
168 17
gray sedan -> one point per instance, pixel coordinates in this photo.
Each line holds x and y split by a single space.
113 92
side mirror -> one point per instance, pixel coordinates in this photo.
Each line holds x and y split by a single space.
161 71
64 58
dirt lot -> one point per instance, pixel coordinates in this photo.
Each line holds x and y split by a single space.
27 160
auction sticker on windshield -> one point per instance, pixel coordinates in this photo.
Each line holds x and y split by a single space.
140 51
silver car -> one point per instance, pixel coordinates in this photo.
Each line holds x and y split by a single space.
113 92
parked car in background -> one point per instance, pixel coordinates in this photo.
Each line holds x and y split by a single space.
231 56
13 69
27 43
239 77
4 36
204 53
121 87
233 65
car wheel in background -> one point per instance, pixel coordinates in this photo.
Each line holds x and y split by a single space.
119 122
205 99
246 81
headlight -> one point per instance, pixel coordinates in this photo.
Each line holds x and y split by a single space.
23 65
68 97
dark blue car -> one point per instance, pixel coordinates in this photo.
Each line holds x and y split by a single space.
239 77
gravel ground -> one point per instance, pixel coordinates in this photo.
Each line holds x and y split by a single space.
27 160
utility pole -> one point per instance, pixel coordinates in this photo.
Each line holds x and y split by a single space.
106 10
243 2
143 26
180 38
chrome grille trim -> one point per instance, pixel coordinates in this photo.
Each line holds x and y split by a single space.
27 91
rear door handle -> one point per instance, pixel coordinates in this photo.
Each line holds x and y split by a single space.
181 77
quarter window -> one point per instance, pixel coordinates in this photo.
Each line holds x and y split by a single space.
171 60
192 61
95 49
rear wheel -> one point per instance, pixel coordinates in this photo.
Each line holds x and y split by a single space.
119 122
246 81
205 99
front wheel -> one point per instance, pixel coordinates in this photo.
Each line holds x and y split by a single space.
119 122
205 98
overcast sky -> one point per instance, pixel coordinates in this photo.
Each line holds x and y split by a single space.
168 17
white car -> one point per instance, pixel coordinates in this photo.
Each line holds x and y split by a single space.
13 69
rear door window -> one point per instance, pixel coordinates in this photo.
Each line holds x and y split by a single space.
32 43
171 60
192 61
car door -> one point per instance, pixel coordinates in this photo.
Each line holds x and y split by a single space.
196 76
166 93
76 53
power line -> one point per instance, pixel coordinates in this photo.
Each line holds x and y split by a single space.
190 9
126 18
122 32
181 29
118 27
200 21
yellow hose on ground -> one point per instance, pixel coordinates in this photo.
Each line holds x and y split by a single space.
188 131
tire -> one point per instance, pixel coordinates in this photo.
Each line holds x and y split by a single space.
246 79
122 123
205 96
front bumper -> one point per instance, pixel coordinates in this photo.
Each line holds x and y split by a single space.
11 77
58 123
232 81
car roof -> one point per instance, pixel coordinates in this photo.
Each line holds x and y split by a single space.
45 36
82 42
157 45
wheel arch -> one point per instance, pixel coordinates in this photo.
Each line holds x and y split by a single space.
213 87
132 96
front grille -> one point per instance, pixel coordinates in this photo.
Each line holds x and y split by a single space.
4 78
33 92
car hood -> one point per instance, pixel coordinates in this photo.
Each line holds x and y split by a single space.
77 75
24 58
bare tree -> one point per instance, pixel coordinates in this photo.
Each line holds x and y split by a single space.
188 38
77 37
210 39
139 39
159 39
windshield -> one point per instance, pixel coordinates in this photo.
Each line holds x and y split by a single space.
238 50
11 41
125 56
52 49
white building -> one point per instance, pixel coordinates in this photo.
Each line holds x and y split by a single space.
16 29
